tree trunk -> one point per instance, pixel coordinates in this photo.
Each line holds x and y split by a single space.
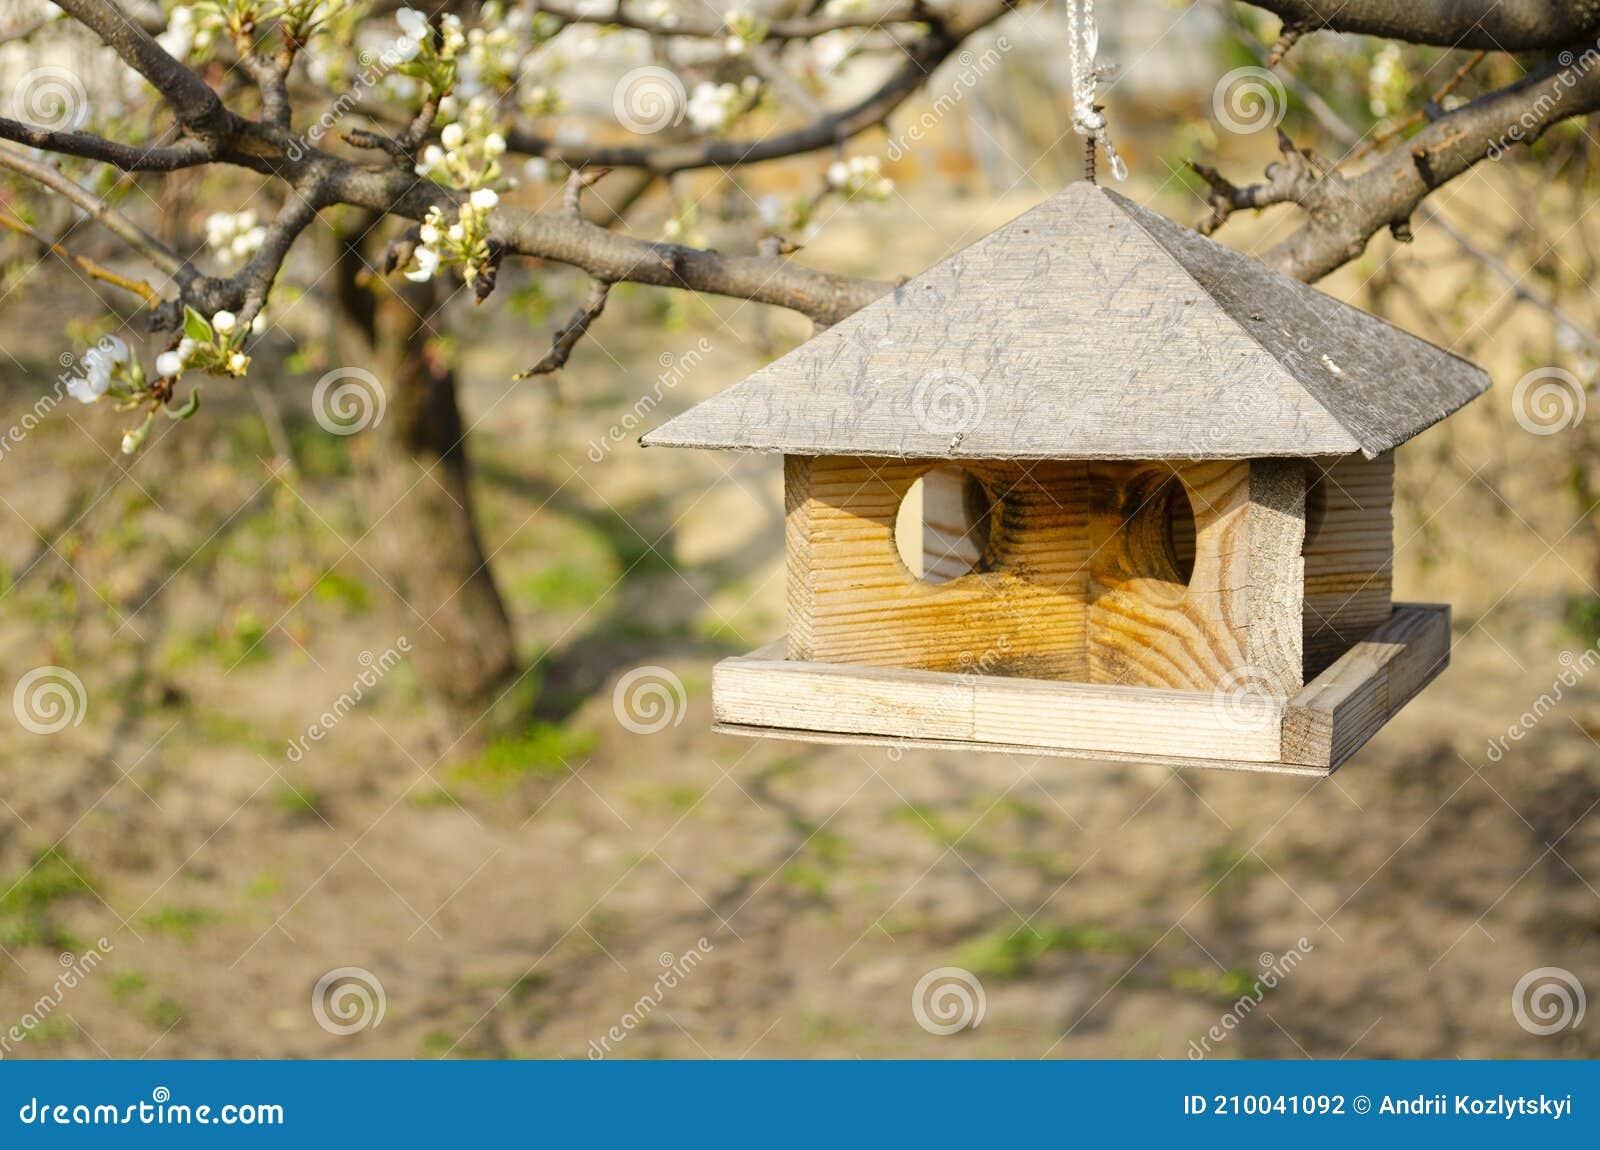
420 509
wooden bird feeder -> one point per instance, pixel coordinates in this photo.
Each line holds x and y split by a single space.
1095 486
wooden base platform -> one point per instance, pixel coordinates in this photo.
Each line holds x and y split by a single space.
1311 733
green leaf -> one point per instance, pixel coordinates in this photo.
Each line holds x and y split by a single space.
190 406
196 327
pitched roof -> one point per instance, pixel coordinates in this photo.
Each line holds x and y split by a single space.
1091 327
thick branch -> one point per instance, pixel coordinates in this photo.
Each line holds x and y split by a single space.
1495 25
85 145
192 101
1347 211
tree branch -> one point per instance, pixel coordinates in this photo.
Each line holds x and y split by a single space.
102 213
1347 211
571 332
924 55
1495 25
705 27
186 153
192 101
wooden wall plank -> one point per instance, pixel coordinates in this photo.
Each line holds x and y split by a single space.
1349 554
852 599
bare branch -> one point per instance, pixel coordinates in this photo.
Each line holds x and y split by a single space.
102 213
129 157
194 104
711 28
1495 25
1347 211
571 332
924 55
89 268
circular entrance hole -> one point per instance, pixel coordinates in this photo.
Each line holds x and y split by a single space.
942 528
1179 514
1161 534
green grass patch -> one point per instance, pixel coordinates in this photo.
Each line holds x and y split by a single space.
542 751
344 590
928 821
179 921
1013 952
298 800
28 900
1220 985
127 986
566 584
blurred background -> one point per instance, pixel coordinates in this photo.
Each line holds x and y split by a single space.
290 825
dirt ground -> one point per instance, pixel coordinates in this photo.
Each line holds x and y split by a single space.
520 902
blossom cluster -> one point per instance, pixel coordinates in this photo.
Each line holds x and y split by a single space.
431 59
860 177
234 236
715 107
215 345
468 153
108 364
745 27
463 244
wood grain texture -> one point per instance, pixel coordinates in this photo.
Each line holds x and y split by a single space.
1275 602
1349 554
1091 328
1339 710
1239 615
1313 733
852 599
1183 575
987 709
897 743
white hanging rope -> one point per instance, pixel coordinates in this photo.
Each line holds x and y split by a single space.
1084 38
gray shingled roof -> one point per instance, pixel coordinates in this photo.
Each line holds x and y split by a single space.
1091 327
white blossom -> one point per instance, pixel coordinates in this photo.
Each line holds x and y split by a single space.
427 264
98 364
860 177
413 23
224 322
